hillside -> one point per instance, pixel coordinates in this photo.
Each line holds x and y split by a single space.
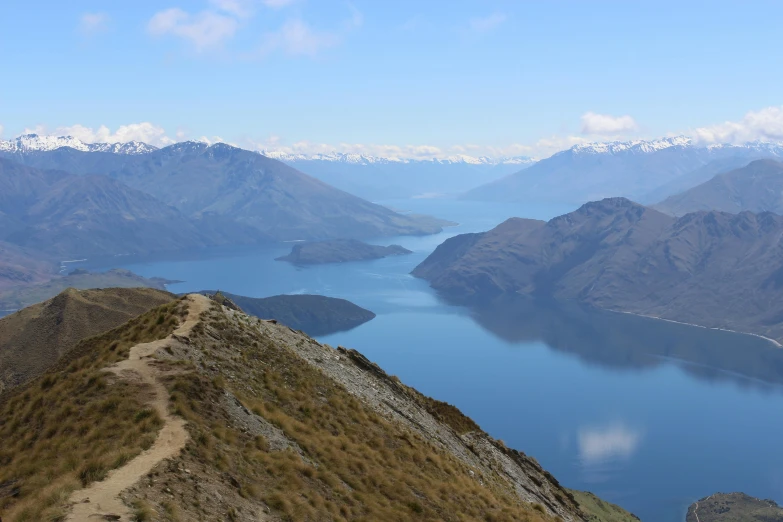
304 432
20 266
24 295
757 187
32 340
339 251
313 314
646 171
280 201
708 268
734 507
65 215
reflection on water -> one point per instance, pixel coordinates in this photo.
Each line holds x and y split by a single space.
618 340
600 444
648 414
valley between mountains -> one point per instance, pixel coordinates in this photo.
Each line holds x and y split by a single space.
122 400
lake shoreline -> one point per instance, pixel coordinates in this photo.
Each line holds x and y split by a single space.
769 339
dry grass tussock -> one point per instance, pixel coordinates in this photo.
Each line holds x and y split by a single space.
72 425
33 339
343 462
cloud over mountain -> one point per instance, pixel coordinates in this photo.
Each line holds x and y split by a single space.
606 124
765 125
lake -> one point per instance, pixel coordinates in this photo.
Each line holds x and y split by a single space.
648 414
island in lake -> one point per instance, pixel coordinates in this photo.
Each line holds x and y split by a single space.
312 314
339 251
734 507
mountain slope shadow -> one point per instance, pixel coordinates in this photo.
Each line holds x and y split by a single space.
630 342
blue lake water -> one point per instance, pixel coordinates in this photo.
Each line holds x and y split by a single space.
648 414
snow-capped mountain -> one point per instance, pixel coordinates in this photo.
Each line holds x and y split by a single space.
676 142
35 142
646 171
634 146
362 159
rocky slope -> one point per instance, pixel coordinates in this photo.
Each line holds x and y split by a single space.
709 268
315 315
757 187
32 340
339 251
278 427
734 507
220 180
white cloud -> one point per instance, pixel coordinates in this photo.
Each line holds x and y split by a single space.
203 30
297 38
277 4
765 125
144 131
607 125
611 442
239 8
486 23
213 27
93 23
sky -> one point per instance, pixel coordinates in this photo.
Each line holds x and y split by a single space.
404 78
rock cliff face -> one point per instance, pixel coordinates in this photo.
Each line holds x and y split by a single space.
339 251
709 268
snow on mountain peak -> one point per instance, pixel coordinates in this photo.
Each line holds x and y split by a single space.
633 146
362 159
35 142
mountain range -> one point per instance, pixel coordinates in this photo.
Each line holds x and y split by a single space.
63 215
225 182
713 269
645 171
757 187
392 178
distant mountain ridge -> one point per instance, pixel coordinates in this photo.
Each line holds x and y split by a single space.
34 142
61 214
224 182
646 171
757 187
713 269
363 159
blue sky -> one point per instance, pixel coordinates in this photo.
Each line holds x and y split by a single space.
403 78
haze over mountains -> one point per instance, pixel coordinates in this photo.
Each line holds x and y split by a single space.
391 178
65 215
757 187
237 195
709 268
645 171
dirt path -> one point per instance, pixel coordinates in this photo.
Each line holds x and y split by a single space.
102 498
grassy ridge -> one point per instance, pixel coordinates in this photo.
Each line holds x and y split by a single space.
340 459
72 425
